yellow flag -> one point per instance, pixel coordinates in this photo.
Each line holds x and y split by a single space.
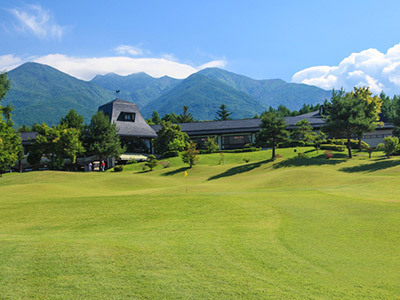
185 173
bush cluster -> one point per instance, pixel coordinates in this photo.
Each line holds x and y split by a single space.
118 168
333 147
249 149
353 143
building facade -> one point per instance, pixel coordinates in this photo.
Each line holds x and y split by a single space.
136 135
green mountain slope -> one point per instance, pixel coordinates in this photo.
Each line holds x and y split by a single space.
272 92
41 93
204 96
139 88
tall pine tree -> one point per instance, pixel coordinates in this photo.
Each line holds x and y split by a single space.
273 131
223 114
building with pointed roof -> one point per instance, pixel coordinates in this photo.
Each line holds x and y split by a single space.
135 133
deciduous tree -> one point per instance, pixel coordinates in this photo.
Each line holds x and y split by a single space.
190 155
169 136
10 142
101 138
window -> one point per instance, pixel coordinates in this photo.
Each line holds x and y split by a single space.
235 141
127 117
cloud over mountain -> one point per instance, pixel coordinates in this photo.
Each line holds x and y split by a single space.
87 67
380 71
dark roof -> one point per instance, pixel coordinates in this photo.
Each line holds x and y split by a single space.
240 126
248 125
138 128
26 137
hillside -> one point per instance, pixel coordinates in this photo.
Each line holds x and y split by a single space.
139 88
41 93
204 96
259 230
272 92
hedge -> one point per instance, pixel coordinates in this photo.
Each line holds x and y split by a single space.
248 149
339 148
353 143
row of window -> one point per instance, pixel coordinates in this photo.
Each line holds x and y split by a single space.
376 136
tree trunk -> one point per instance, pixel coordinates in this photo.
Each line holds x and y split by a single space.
273 151
359 143
349 147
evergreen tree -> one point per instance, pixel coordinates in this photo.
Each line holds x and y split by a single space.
72 120
223 114
273 131
186 117
304 131
172 117
10 141
101 138
351 114
155 118
151 162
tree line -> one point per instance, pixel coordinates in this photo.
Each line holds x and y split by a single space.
67 140
347 115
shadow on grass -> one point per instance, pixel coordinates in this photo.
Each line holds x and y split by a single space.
240 169
373 167
319 160
177 171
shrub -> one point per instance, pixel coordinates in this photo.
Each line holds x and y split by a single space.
165 164
172 153
353 143
132 161
211 145
380 147
246 159
328 154
292 143
241 150
118 168
338 148
391 145
251 149
190 155
151 162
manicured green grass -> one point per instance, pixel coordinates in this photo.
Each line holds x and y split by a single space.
293 228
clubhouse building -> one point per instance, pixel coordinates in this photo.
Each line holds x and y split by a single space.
137 135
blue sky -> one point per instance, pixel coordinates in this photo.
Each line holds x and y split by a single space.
325 43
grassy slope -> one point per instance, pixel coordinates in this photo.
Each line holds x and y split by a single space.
294 228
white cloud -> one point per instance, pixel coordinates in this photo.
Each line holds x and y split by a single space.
37 20
87 68
9 62
125 49
213 64
380 71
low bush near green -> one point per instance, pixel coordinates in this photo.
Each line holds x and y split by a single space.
118 168
338 148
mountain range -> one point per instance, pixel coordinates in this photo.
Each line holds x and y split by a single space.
40 93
